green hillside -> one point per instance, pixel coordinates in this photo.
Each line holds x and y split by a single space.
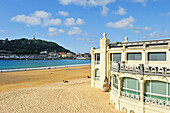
25 46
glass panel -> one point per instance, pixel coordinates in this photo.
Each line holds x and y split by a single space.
97 57
132 92
97 73
134 56
169 89
132 83
158 97
147 86
124 82
159 87
117 57
138 85
157 56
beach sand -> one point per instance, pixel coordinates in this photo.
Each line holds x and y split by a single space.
42 91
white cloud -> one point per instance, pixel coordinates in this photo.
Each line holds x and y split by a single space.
146 28
101 3
41 14
29 20
76 2
140 1
63 13
52 22
105 11
168 13
155 34
3 31
137 31
120 11
72 21
37 18
83 39
125 23
54 31
74 31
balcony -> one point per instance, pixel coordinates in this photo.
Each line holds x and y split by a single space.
140 69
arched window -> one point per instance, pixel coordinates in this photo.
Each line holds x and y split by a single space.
97 74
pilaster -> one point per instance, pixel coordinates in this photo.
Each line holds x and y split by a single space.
92 67
119 91
142 83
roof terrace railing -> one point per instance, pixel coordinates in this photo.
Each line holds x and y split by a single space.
139 69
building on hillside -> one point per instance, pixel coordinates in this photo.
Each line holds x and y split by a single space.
138 72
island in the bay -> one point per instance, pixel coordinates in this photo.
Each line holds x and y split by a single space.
36 49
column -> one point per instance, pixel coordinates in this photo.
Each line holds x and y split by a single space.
124 58
92 67
144 55
142 85
119 91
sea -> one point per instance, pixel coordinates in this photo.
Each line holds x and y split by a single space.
17 65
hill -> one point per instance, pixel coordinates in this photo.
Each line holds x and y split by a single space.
25 46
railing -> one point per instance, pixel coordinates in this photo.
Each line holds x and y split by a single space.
97 78
130 96
140 69
97 62
157 102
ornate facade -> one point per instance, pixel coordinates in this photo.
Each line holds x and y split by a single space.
138 72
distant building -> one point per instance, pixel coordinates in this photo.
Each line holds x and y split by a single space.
33 38
43 52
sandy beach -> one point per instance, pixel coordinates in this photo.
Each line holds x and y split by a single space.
42 91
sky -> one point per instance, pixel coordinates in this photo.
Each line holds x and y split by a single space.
78 25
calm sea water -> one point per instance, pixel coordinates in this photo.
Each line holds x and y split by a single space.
16 64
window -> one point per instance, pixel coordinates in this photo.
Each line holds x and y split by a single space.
134 56
97 57
115 57
157 89
131 85
161 56
115 82
97 74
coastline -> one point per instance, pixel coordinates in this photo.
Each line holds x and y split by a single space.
40 68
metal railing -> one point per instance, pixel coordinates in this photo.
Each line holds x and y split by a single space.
140 69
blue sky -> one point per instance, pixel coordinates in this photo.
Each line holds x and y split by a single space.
79 24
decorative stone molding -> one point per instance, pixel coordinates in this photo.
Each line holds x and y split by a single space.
130 96
157 102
